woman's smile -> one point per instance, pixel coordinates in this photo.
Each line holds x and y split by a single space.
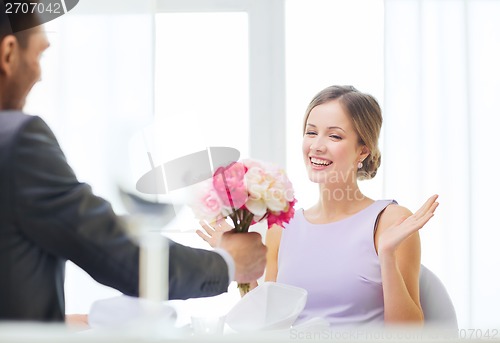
319 163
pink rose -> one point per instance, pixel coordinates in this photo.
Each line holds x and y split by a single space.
207 205
281 218
229 184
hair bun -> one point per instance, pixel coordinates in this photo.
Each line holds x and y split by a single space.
370 166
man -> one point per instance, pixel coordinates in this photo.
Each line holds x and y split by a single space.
48 217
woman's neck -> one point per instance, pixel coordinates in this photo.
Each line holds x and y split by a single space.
338 201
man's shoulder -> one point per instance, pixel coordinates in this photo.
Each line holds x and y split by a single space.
14 115
14 125
12 122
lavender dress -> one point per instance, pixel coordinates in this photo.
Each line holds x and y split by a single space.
338 265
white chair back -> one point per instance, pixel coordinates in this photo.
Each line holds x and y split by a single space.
436 303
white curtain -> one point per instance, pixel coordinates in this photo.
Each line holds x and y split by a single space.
441 121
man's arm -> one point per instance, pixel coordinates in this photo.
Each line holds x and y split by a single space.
63 217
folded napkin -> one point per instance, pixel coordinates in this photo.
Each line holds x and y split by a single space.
124 310
270 306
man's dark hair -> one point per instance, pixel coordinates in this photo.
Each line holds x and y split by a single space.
17 24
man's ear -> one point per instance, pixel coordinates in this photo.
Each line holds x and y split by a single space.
9 51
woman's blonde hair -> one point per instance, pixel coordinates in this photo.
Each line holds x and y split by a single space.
366 117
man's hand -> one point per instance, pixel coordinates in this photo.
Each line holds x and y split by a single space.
248 252
77 322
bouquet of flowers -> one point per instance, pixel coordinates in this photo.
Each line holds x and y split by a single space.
247 192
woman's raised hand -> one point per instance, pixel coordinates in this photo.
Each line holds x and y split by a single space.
213 232
403 228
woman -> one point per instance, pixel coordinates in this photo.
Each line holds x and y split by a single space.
359 259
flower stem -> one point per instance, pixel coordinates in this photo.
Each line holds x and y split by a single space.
244 288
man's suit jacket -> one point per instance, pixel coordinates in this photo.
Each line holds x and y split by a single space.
47 217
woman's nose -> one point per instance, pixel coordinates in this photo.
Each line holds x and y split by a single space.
317 146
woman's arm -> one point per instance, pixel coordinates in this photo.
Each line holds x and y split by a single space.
273 238
398 245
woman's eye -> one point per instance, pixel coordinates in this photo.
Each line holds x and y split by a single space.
310 133
335 137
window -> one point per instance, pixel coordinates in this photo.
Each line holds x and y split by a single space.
201 93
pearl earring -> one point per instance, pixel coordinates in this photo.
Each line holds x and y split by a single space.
360 164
